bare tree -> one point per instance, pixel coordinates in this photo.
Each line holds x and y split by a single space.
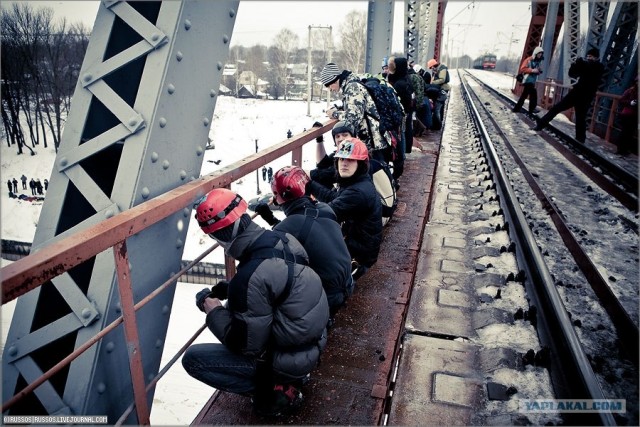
285 44
38 82
353 38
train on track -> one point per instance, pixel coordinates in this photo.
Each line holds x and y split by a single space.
485 62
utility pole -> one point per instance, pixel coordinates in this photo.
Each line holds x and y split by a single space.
309 84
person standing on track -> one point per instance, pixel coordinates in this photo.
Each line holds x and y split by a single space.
530 68
589 72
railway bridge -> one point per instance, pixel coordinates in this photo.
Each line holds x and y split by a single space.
94 293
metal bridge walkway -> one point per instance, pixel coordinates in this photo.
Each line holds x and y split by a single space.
351 384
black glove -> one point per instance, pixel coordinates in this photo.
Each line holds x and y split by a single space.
201 296
220 290
265 212
321 137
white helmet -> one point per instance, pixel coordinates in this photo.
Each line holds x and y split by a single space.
537 50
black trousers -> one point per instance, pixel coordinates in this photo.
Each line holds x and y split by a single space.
530 92
580 104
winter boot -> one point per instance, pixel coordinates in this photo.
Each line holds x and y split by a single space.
284 400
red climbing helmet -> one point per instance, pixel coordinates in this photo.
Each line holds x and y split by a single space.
352 148
289 183
218 209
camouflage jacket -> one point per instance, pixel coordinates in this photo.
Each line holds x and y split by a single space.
359 110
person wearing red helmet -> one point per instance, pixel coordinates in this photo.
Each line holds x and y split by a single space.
272 329
326 174
314 225
356 204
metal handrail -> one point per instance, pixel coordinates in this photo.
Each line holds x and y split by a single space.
55 259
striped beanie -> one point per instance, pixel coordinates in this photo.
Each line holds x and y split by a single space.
329 74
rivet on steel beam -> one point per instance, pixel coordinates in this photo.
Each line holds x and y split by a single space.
110 346
101 388
155 37
219 66
165 309
162 122
13 350
178 243
187 24
133 121
225 39
179 56
145 192
87 77
150 376
63 161
86 313
154 157
212 93
108 213
199 151
183 175
118 307
186 212
205 121
232 13
165 164
158 343
171 88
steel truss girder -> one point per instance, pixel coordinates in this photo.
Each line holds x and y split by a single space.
536 26
598 12
429 22
379 34
411 25
620 47
147 86
571 38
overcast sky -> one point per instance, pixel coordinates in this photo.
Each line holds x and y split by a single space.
471 27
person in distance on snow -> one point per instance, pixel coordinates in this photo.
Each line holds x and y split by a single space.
356 204
273 327
315 226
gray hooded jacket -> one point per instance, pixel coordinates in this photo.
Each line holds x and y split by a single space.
255 320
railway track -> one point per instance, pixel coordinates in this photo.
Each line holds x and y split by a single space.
574 220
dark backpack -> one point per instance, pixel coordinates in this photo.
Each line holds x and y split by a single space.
387 104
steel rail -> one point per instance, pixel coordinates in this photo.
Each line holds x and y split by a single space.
626 329
626 179
570 369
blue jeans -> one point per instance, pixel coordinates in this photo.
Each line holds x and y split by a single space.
217 366
424 113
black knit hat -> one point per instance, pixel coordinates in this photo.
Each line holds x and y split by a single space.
226 234
594 52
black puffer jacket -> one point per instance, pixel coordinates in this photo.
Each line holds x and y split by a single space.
589 75
401 83
254 318
322 239
358 208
